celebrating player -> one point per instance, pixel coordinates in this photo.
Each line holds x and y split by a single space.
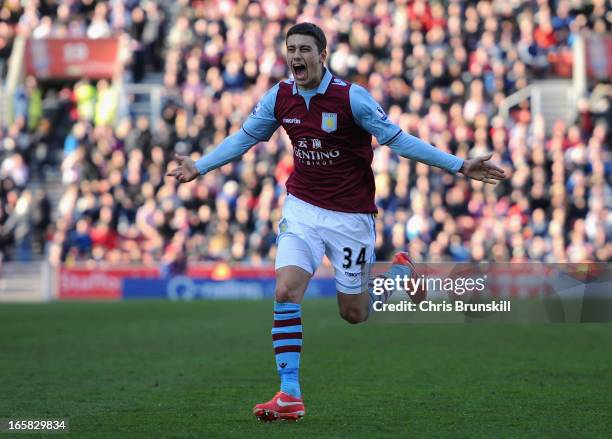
330 204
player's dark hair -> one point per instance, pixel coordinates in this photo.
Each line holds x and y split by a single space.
309 29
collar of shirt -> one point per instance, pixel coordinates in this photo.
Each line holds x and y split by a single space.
322 88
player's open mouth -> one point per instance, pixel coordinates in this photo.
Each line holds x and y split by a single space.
299 71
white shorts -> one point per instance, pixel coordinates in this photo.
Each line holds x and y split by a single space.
307 232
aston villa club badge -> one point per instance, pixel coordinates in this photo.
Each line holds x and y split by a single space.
329 122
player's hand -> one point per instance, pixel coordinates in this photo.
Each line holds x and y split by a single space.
478 169
186 169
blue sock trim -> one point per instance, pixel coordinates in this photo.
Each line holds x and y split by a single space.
287 316
284 329
287 306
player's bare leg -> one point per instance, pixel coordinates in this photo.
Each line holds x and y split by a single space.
291 283
356 308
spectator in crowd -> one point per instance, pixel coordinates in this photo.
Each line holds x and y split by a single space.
441 69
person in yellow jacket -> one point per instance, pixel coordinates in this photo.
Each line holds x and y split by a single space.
86 99
106 104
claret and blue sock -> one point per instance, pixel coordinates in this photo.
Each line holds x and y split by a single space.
287 342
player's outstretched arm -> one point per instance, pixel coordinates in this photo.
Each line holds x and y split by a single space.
229 150
371 117
478 168
258 127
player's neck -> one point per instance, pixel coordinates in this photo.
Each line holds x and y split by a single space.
308 88
314 84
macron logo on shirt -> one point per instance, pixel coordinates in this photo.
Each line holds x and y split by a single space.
293 120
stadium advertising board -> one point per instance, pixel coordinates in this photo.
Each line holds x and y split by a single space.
188 288
99 283
222 281
66 58
218 281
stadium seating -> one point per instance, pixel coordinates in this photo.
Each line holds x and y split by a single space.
441 69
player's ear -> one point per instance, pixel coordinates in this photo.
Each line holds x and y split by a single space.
323 56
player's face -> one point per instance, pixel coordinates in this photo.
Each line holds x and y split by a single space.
305 61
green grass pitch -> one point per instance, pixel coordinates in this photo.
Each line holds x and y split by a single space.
162 369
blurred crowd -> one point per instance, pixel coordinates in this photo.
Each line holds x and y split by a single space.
142 24
441 69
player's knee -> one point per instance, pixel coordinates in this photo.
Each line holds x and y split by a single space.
354 315
285 293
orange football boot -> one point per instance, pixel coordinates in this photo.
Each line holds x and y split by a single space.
282 406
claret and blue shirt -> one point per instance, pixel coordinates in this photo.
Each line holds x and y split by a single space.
331 129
